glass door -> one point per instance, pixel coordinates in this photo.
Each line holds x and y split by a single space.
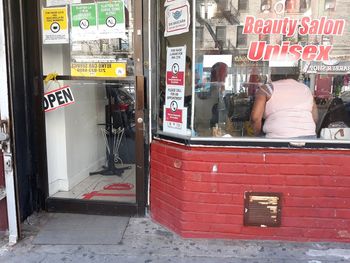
90 100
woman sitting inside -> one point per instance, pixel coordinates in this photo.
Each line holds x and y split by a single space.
286 105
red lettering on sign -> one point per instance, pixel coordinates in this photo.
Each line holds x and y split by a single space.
260 50
173 116
175 79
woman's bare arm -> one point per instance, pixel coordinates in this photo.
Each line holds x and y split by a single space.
258 112
315 112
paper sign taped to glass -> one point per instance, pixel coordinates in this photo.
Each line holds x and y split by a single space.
61 2
98 69
55 25
177 19
172 2
101 20
175 120
111 19
83 22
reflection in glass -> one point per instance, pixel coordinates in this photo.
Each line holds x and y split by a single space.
91 143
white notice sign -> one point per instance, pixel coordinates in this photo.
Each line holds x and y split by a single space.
177 19
175 75
111 19
61 2
175 115
83 22
175 120
55 25
172 2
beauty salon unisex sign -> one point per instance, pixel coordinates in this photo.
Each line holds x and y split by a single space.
289 27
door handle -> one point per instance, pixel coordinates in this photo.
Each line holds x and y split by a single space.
140 120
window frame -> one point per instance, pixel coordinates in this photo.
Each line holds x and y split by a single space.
240 142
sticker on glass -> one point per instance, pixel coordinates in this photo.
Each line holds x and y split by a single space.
111 19
55 25
177 19
83 22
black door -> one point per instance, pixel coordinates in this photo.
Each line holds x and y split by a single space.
84 102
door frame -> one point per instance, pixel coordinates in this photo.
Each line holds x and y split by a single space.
34 74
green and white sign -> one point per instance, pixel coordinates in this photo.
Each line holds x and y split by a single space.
84 22
111 19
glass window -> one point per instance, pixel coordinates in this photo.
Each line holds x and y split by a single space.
207 10
241 38
329 5
265 5
304 5
199 36
221 35
263 37
283 74
243 5
290 6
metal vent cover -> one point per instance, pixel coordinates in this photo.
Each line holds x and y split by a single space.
262 209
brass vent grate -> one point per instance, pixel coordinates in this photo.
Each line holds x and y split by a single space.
262 209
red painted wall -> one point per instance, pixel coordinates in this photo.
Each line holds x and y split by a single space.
192 200
3 206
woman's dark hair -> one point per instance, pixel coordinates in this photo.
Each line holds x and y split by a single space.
280 73
218 72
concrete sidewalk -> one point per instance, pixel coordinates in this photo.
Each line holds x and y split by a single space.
146 241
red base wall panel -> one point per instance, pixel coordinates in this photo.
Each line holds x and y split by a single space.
198 192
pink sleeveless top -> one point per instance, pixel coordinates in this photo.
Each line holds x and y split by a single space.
288 113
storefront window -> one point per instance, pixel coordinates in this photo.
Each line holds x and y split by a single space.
278 70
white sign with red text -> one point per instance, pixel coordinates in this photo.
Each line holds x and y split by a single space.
177 19
175 120
175 115
175 75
